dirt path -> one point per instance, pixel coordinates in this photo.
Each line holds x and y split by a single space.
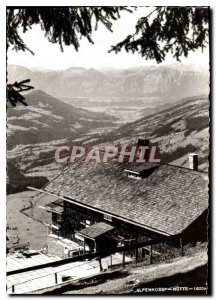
146 275
20 227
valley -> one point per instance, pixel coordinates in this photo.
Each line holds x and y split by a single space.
126 110
179 125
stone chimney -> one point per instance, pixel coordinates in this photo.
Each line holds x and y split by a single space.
193 161
145 142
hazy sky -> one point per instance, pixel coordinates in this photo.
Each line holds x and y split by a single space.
49 56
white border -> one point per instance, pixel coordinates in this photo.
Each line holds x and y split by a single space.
3 5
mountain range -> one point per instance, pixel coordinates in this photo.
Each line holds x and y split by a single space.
160 81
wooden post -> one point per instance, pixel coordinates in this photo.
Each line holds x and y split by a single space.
110 261
100 264
136 251
143 253
64 217
56 278
181 247
84 246
123 258
151 256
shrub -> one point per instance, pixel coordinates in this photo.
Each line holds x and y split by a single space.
167 157
196 124
18 182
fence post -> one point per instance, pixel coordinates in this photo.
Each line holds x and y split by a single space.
136 249
100 264
181 247
84 247
123 258
13 288
151 257
56 278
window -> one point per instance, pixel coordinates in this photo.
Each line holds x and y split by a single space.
133 175
86 223
56 219
107 218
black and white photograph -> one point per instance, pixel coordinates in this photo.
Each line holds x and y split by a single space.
108 146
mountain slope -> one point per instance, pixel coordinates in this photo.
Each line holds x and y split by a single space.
179 130
47 118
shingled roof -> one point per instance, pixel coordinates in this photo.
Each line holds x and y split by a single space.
55 206
168 200
96 230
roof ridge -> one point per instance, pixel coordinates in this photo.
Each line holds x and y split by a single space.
159 163
196 172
